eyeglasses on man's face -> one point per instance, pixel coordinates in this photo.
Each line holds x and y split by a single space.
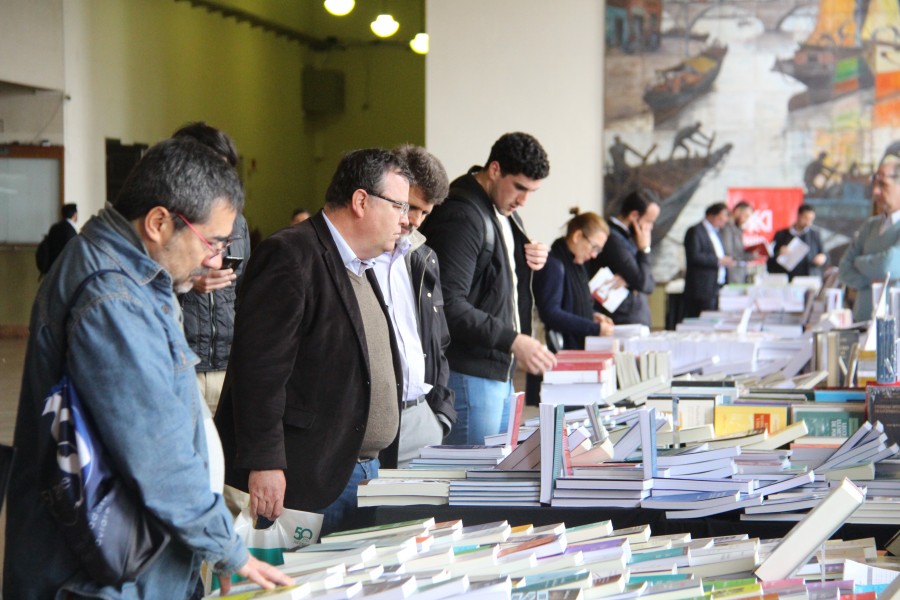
403 206
220 247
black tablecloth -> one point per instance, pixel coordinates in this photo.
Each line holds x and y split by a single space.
724 524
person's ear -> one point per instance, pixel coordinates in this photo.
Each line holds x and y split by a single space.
156 223
359 202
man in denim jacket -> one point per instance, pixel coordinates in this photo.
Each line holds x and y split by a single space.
129 361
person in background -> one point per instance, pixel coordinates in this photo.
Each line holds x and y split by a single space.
311 404
209 307
561 289
299 215
875 249
486 265
127 356
732 235
60 233
409 278
707 262
627 254
802 228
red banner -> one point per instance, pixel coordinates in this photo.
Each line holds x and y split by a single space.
773 209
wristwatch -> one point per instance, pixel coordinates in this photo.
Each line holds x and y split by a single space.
646 250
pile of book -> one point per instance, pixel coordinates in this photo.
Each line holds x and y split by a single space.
425 559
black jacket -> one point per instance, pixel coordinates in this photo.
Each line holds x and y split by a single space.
424 272
701 275
563 297
209 318
804 267
623 258
59 235
479 306
296 396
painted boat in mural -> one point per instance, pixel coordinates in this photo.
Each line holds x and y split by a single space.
843 206
670 182
836 59
677 86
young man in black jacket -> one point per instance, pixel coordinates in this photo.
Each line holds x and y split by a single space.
486 261
410 281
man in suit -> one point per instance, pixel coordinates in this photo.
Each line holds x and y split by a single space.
875 250
732 235
312 390
802 228
706 262
410 280
62 231
627 254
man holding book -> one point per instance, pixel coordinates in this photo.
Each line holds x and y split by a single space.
486 265
312 392
813 259
410 280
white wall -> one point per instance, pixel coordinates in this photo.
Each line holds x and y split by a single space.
520 65
31 41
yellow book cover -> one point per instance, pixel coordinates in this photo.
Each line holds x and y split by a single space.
735 418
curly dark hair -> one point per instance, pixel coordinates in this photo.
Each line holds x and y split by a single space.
520 154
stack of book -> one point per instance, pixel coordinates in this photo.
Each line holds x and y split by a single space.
580 377
460 456
425 559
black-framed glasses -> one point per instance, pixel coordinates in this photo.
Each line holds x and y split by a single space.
219 248
403 206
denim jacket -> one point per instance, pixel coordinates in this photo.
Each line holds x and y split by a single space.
135 374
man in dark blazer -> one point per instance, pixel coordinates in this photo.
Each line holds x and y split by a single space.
707 262
802 228
627 254
62 231
312 391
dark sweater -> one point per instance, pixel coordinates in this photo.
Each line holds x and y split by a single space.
563 297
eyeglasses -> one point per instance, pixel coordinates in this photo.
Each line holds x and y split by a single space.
221 246
403 206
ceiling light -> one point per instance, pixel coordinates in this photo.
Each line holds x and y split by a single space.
384 26
419 44
339 8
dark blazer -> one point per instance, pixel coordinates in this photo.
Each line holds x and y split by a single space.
701 276
59 235
805 267
296 394
623 258
478 306
424 272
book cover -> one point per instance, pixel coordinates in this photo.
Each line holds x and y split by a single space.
883 402
832 420
733 418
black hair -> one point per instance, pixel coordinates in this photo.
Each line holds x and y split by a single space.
715 209
214 138
427 171
69 210
183 176
634 201
805 208
520 154
363 170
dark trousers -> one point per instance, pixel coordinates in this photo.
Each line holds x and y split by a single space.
694 306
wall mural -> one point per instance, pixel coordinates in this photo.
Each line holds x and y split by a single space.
705 97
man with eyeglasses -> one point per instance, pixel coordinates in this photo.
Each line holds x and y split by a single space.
486 262
410 280
209 306
312 393
875 249
124 349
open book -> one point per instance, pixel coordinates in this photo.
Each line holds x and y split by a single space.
603 291
796 251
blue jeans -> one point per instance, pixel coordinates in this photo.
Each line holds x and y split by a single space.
482 408
341 514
